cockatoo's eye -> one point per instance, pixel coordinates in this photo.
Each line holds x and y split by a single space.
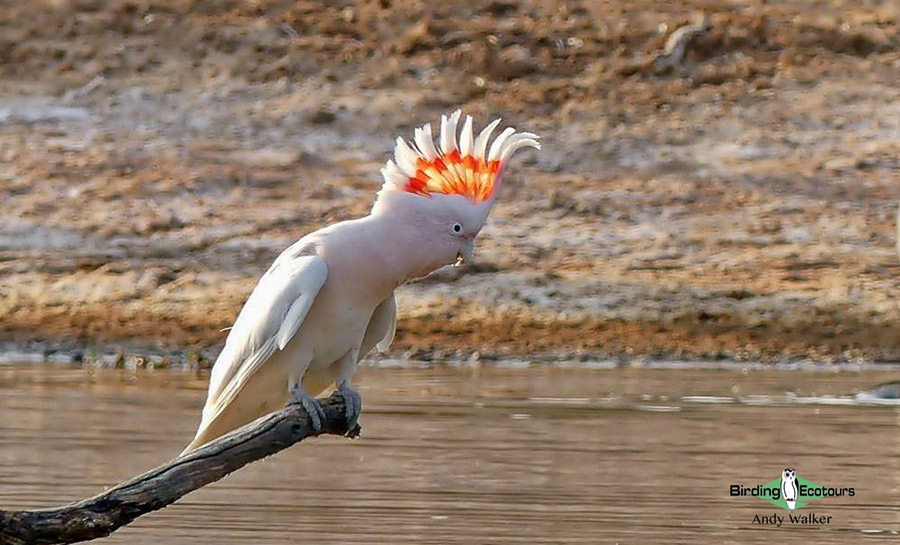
456 228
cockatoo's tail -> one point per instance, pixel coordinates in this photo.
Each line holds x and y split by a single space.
465 167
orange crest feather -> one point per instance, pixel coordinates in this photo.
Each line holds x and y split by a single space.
464 168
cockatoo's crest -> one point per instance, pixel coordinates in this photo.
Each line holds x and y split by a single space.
463 166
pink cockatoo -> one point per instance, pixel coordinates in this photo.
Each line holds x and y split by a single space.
328 299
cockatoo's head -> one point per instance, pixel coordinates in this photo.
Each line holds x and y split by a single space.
446 191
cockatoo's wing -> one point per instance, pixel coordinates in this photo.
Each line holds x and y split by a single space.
381 328
269 319
390 314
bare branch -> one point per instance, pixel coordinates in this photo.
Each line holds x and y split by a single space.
103 514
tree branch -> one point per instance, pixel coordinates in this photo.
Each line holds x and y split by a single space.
104 513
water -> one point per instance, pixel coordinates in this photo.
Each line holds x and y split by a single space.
472 455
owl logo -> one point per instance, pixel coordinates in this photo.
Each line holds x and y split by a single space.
789 488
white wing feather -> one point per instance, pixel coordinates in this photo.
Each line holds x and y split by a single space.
388 338
269 319
381 328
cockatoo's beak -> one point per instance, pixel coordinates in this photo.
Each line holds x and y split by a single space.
465 252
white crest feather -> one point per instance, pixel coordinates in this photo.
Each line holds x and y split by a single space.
497 146
465 137
406 157
518 141
392 174
482 141
425 142
448 132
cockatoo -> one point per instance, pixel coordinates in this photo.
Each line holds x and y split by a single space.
328 299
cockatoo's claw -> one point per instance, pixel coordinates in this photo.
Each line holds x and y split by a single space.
311 406
352 407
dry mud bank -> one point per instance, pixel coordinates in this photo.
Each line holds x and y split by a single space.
156 156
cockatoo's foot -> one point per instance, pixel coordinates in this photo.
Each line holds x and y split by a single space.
352 407
310 405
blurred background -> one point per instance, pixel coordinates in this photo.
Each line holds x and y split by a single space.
718 187
156 156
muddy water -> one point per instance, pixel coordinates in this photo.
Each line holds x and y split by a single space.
479 455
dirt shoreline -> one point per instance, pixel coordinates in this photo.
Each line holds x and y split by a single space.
156 156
